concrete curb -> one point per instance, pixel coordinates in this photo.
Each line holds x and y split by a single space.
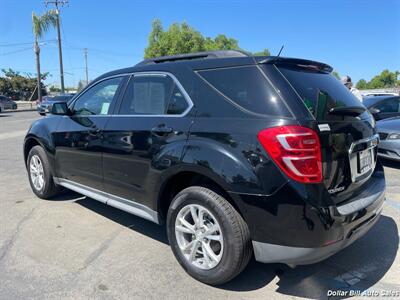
17 110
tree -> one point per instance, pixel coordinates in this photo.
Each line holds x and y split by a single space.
383 80
54 89
182 38
386 79
17 86
221 42
362 84
265 52
41 24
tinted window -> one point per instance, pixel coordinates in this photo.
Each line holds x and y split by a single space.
248 88
153 95
319 91
389 105
97 100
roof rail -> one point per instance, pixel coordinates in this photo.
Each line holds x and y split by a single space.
189 56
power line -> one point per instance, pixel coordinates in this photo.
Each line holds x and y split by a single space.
15 51
26 43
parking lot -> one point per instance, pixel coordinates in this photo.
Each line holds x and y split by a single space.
76 248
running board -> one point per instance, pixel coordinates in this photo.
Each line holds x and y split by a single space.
129 206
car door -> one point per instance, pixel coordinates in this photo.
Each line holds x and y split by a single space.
146 135
78 139
387 108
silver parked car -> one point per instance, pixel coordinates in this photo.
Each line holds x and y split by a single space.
6 103
389 133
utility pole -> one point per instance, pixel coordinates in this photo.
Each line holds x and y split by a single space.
85 52
57 3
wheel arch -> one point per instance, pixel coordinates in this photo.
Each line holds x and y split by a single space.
187 177
30 142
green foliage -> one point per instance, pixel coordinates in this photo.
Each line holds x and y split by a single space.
336 74
17 86
265 52
362 84
182 38
41 24
54 89
386 79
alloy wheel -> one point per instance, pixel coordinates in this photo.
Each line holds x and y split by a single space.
199 236
37 172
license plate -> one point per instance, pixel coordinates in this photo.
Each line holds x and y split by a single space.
364 161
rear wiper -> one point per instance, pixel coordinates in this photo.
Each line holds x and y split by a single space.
347 110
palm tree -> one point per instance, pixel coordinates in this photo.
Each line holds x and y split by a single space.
41 24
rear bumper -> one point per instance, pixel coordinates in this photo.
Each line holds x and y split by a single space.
272 253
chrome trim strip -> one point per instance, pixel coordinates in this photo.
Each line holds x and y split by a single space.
366 140
109 199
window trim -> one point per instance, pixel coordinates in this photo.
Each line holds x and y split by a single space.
156 73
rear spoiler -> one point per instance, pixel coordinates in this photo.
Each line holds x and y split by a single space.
297 63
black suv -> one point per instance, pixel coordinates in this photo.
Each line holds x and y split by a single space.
236 154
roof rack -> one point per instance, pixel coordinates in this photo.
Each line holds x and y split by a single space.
189 56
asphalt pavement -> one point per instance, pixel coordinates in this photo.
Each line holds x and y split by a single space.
73 247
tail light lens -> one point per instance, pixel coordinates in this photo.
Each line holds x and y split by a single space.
296 150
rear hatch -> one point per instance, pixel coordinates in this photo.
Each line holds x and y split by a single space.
346 129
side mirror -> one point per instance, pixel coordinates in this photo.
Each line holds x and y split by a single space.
374 110
60 108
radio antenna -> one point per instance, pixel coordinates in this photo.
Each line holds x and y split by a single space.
280 51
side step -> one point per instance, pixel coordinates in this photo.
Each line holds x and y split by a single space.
129 206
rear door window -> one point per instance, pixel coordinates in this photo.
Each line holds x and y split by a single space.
389 105
247 88
153 94
319 91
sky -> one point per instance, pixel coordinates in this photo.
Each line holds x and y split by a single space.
359 38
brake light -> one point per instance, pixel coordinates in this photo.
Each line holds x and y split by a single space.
296 150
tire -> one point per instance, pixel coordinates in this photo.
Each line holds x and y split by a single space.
232 254
48 188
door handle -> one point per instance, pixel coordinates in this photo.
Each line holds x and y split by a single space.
161 130
95 131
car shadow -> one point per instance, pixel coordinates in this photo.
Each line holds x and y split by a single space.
2 115
357 267
390 163
128 220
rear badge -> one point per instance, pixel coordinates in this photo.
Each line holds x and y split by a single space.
336 190
324 127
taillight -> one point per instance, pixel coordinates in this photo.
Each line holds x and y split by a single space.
296 150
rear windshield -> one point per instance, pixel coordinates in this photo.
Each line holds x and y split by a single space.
319 91
247 87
